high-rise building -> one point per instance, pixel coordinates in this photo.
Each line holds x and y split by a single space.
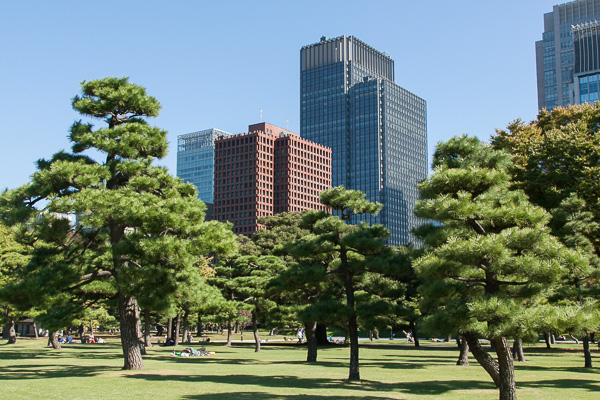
377 130
267 171
196 161
567 57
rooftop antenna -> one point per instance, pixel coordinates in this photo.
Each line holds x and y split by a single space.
261 114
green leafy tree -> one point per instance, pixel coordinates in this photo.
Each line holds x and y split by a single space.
138 227
492 260
352 253
555 156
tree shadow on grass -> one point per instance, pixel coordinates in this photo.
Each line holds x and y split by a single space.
287 381
589 385
35 371
271 396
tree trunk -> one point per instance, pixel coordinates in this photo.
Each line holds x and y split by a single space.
130 339
586 351
80 330
237 327
321 334
140 334
463 357
354 373
169 328
199 325
160 329
52 340
391 333
91 326
552 338
311 340
517 350
371 335
229 326
272 332
547 340
377 334
255 331
8 332
147 336
483 358
508 388
413 328
177 327
186 327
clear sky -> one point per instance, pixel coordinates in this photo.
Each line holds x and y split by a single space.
215 64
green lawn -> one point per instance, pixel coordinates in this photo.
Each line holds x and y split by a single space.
28 370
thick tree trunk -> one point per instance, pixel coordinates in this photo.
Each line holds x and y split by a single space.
508 388
186 327
586 351
517 350
255 332
177 327
547 340
311 341
147 336
552 338
237 327
35 330
160 329
52 340
463 357
483 358
413 328
8 333
169 328
229 326
321 334
80 330
130 339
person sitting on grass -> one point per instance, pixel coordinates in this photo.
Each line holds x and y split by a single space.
60 339
69 339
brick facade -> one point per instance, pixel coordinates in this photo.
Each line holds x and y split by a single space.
267 171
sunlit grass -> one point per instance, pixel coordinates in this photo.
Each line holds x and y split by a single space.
389 371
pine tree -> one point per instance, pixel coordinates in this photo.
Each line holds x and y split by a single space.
491 259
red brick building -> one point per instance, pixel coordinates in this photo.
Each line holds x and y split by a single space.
267 171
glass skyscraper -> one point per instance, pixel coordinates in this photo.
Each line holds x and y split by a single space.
377 130
196 161
567 56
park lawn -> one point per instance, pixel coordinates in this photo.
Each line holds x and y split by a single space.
389 371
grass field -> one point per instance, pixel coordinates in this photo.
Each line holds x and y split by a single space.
29 370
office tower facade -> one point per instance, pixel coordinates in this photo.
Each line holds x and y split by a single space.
377 130
195 162
567 55
267 171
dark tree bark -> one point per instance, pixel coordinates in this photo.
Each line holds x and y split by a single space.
311 341
80 330
321 334
140 334
8 333
391 333
169 328
52 341
177 327
255 331
547 340
413 328
508 388
237 327
160 329
130 339
371 335
586 351
463 357
186 326
147 336
354 373
229 326
517 350
483 358
199 328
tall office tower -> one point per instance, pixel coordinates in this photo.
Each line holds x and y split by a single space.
560 63
377 130
267 171
196 161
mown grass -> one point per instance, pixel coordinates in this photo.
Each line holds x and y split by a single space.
389 371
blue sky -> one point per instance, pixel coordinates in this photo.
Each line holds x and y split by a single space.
215 64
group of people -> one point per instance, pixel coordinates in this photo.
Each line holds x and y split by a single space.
69 339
